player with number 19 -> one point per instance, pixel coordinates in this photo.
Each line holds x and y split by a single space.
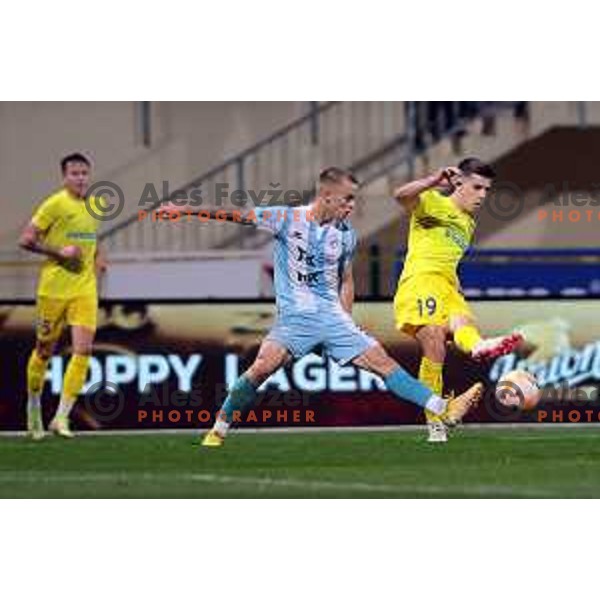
429 304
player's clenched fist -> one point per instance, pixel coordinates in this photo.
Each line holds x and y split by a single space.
70 257
445 176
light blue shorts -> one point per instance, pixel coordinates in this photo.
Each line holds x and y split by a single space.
335 331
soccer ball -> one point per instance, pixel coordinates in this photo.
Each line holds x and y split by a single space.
519 389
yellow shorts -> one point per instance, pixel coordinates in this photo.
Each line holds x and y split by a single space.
53 313
428 299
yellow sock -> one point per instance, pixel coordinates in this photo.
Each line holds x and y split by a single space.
466 337
430 373
72 383
36 369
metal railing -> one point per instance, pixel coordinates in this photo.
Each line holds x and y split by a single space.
341 133
370 137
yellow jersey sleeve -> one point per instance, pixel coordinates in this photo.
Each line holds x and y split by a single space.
427 203
47 213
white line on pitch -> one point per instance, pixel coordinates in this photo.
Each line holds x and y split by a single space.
262 483
333 429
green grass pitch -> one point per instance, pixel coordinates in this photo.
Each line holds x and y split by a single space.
477 463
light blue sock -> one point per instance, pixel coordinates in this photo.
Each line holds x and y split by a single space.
241 395
406 387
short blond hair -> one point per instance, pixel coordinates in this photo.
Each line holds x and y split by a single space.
336 175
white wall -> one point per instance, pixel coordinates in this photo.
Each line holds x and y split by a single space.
206 277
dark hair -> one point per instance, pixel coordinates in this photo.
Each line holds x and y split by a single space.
75 157
335 175
474 166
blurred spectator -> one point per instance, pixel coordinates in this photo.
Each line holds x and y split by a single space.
435 120
522 110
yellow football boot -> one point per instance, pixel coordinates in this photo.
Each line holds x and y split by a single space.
213 440
458 407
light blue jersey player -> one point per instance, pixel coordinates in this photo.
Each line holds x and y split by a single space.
312 261
314 287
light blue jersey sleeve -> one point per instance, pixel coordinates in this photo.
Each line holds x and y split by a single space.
350 243
271 218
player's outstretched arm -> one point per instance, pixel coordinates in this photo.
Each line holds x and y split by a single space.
31 239
408 194
216 214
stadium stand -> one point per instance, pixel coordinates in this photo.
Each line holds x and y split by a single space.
282 149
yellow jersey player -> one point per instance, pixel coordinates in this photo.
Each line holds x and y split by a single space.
428 304
63 229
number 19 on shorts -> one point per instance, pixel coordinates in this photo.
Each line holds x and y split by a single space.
427 306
